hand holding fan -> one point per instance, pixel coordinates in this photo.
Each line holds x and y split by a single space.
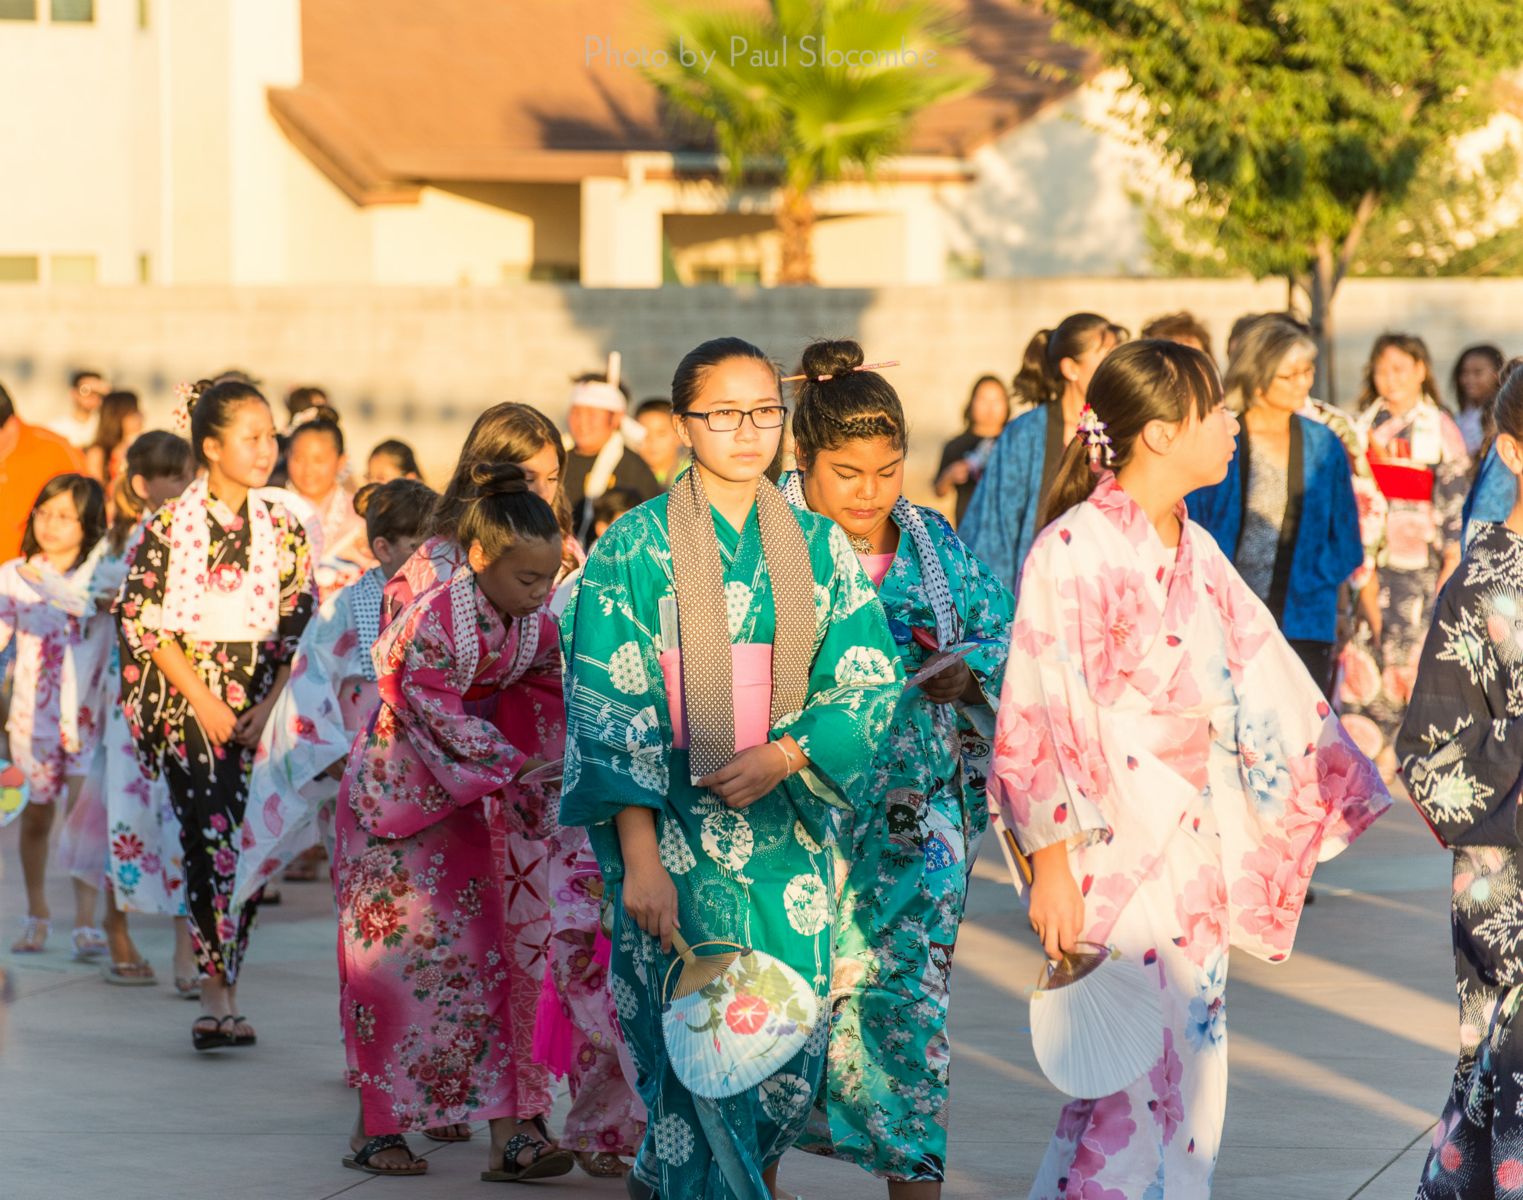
1096 1022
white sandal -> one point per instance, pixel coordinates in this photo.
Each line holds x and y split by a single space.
89 943
34 936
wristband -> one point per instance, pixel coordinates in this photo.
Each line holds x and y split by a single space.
787 757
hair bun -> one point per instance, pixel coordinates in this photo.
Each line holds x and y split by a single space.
364 497
498 479
1509 368
831 359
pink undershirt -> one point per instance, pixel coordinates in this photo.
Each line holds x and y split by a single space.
876 566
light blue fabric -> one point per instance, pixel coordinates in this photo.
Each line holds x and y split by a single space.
1001 520
1492 495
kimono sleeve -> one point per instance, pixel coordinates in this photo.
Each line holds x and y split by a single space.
855 682
1344 536
1459 749
985 606
305 734
426 755
142 599
1050 780
618 735
10 610
298 589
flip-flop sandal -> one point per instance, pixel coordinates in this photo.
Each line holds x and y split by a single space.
241 1039
89 944
34 936
188 987
210 1039
360 1159
434 1135
548 1161
602 1165
129 974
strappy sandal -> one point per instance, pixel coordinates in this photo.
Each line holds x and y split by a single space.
188 987
241 1039
129 974
437 1134
548 1161
89 943
34 936
210 1039
360 1159
600 1164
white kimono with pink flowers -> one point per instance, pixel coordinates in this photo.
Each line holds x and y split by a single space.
1154 719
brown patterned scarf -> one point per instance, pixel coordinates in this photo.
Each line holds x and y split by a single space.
698 573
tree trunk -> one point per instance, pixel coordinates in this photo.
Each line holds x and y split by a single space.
795 227
1321 287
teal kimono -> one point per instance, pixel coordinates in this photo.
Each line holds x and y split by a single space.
883 1104
762 876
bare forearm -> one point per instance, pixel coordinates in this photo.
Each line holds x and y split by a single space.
176 668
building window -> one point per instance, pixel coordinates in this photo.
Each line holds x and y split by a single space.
18 268
71 268
74 11
18 10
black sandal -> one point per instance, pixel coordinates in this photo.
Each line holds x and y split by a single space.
548 1161
214 1039
235 1039
360 1159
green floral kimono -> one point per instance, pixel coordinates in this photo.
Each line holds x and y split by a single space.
883 1104
763 876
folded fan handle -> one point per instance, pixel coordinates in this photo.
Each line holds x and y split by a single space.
685 955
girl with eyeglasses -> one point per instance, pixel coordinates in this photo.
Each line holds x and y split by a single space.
730 673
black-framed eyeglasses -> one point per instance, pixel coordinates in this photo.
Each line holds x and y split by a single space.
728 420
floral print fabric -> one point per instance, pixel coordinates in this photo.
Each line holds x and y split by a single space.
763 877
1155 721
1462 758
208 785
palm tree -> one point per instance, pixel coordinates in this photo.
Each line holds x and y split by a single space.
775 86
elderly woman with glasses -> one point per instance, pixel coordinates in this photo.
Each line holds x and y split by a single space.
1286 513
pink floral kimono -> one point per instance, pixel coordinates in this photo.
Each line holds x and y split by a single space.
1154 719
329 698
426 954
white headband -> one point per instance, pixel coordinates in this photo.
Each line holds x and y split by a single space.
599 395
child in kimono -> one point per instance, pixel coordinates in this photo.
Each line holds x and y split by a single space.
1461 752
908 860
1163 759
144 865
711 818
57 704
218 592
424 946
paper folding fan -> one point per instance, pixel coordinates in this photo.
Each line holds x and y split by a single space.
13 792
1096 1022
733 1018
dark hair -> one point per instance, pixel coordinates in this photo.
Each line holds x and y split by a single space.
1492 355
613 504
114 408
7 405
1040 380
298 400
78 377
1183 324
89 501
837 404
325 425
1143 381
505 433
1261 348
157 454
601 377
399 453
967 412
396 509
653 404
212 406
501 510
1507 404
687 380
1413 347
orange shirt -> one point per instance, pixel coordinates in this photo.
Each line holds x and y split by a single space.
29 457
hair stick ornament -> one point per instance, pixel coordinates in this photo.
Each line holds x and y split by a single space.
185 398
1092 429
877 366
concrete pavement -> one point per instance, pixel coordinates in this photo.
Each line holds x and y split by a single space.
1340 1059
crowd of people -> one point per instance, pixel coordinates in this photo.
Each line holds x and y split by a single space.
653 758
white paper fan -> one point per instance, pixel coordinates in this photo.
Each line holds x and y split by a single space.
733 1019
1096 1022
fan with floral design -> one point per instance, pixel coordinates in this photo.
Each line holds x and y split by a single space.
13 792
734 1018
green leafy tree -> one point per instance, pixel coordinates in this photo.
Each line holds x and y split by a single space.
1298 123
784 105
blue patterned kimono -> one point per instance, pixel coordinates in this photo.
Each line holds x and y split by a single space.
1001 521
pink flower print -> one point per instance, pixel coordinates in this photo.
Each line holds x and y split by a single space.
1112 621
1121 510
1080 756
236 696
1025 758
1243 619
1109 1131
219 822
131 673
1202 911
1269 893
1361 677
1168 1104
1410 535
225 862
346 643
1337 780
226 930
1027 639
